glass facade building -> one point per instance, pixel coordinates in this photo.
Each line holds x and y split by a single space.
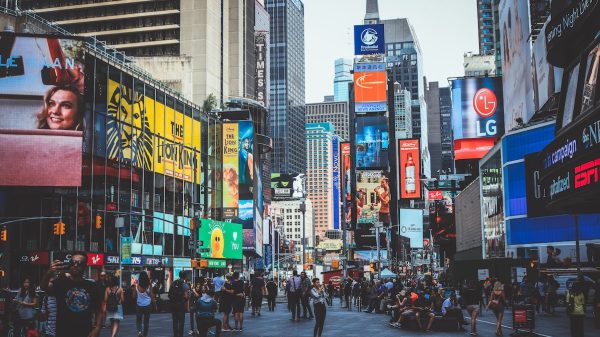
343 77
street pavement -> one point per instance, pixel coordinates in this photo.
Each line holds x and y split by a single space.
341 322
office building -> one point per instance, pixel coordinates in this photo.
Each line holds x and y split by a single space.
402 111
289 221
479 65
343 77
286 85
196 47
319 174
439 109
488 23
333 112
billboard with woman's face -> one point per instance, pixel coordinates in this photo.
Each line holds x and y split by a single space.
41 110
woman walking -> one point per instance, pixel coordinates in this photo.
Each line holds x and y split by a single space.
319 299
239 301
497 302
576 309
195 295
114 298
144 300
26 302
257 290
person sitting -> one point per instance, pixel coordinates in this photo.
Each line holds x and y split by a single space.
205 314
424 308
450 309
398 308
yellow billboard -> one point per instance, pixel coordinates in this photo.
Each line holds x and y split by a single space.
231 193
151 135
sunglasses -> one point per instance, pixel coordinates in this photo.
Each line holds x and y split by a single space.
77 263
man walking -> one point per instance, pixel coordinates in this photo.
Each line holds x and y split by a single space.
306 285
179 295
295 294
218 282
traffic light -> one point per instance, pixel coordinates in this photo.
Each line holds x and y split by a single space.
3 234
372 266
98 221
59 228
192 224
335 264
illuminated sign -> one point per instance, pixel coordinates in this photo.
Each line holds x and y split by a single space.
370 87
435 195
369 39
410 168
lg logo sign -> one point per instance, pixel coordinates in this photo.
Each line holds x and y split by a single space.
485 104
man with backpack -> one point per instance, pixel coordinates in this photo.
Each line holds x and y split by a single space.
179 295
305 296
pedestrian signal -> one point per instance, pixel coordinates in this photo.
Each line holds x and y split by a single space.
3 234
98 221
59 228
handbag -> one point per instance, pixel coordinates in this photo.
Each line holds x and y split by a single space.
570 305
494 304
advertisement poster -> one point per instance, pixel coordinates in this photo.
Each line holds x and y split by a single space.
546 78
222 240
126 242
409 153
287 186
346 188
372 142
411 226
246 159
369 39
160 145
372 197
492 210
370 87
336 181
231 194
41 110
516 62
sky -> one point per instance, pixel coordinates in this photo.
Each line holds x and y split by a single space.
446 29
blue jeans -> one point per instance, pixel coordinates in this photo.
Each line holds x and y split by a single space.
142 313
178 314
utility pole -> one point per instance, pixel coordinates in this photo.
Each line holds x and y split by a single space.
303 210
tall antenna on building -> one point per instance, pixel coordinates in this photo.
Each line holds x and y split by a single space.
372 13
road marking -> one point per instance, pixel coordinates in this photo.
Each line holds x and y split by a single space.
506 326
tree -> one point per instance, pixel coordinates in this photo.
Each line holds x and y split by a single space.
210 103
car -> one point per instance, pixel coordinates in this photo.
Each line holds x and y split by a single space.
566 283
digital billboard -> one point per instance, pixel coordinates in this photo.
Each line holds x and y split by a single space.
287 186
231 195
369 39
370 87
411 226
409 153
372 142
372 197
41 110
221 240
546 78
160 145
516 62
492 207
335 169
345 186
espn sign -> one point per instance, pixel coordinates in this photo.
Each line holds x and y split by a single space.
587 173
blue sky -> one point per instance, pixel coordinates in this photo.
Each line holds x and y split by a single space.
446 29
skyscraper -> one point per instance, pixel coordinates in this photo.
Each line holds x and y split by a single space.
402 110
319 174
488 20
439 108
334 112
287 100
343 77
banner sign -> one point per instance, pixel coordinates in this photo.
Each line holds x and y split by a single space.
346 189
370 87
126 242
261 47
335 168
111 259
42 82
212 263
411 226
179 262
231 195
372 196
369 39
35 258
287 186
372 142
409 153
435 195
222 240
95 259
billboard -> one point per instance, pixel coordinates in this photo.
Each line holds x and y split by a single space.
161 144
335 168
346 188
492 207
546 78
370 87
372 197
516 62
372 142
287 186
220 240
231 196
411 226
369 39
409 153
41 110
261 49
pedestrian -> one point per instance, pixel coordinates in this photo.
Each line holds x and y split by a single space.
497 303
306 286
295 295
257 289
49 310
114 298
271 294
218 282
205 308
551 297
319 298
330 291
348 293
471 296
239 301
78 299
195 294
576 308
597 304
144 302
26 302
450 308
179 295
226 302
102 282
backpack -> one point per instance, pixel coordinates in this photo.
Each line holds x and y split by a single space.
177 292
112 302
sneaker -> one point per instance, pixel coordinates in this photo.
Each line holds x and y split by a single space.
225 330
191 333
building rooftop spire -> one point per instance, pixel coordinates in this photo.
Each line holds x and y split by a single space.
372 14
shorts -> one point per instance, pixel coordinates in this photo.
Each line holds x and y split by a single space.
409 314
238 305
257 300
225 306
385 218
473 308
117 315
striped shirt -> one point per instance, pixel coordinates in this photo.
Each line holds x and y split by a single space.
51 322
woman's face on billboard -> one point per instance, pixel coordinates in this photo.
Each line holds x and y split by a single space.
62 110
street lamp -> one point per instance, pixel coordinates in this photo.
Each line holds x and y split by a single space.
303 210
